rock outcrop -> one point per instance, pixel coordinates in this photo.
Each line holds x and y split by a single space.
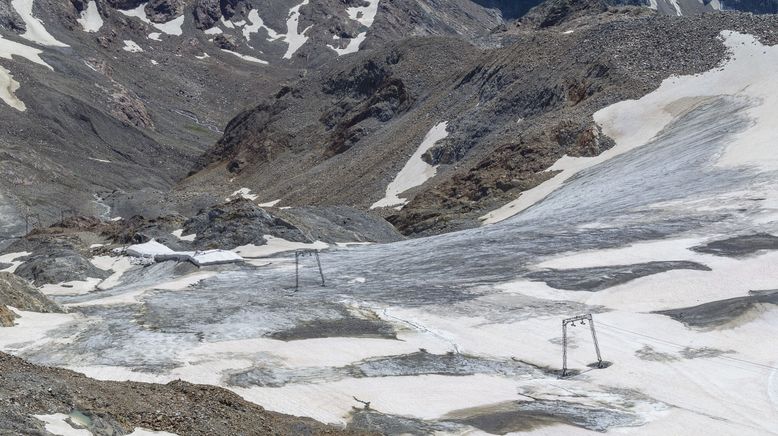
17 293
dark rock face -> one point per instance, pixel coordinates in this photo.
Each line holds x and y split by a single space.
231 7
599 278
9 19
509 9
718 313
333 224
740 245
125 4
162 11
54 263
237 223
555 12
17 293
755 6
225 42
207 13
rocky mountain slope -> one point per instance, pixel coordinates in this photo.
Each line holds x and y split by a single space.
106 96
503 115
106 99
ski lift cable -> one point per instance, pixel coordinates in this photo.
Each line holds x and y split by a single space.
735 359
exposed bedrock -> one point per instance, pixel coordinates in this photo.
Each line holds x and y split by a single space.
602 277
740 245
721 312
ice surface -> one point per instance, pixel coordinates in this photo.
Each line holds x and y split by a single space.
415 172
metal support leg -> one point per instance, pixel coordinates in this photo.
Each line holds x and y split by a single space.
564 348
596 345
318 262
296 271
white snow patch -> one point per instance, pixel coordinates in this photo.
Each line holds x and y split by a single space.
155 36
365 15
131 46
90 19
8 87
269 203
31 329
172 27
134 295
9 48
148 249
11 258
246 57
36 30
293 36
160 253
227 23
204 56
415 172
276 245
351 47
180 235
213 31
99 160
75 287
256 24
144 432
57 424
749 72
676 6
242 193
153 62
119 265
